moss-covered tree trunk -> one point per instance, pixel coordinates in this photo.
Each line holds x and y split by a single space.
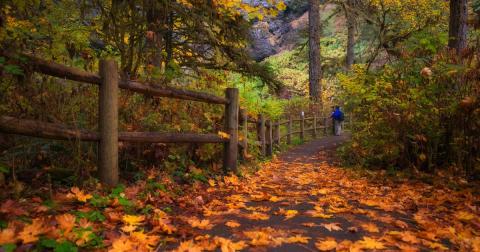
458 25
350 33
315 70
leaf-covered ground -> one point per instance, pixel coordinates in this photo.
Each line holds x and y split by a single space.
299 202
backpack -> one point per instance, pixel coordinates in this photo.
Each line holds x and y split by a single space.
341 116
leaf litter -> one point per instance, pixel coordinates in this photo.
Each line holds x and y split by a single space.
313 201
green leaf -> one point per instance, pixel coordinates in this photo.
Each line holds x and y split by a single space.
9 247
124 202
3 224
49 243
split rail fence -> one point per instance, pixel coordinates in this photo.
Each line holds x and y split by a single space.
108 136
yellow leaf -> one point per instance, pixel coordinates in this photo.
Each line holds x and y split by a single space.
133 219
81 196
369 243
325 245
275 199
224 135
204 224
299 238
308 224
233 224
370 227
281 6
322 215
212 182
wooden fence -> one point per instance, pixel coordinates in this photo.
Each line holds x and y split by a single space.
268 133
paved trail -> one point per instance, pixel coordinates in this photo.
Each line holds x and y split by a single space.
296 202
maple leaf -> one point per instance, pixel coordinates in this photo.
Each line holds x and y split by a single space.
122 244
261 240
298 238
204 224
322 215
308 224
369 243
275 199
256 216
233 224
410 238
30 232
146 240
260 197
334 226
80 195
345 246
128 228
66 221
133 219
8 236
11 206
325 245
212 182
371 227
224 135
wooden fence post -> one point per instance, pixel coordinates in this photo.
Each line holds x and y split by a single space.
269 138
230 149
261 132
108 123
289 131
277 133
302 126
314 126
244 114
325 131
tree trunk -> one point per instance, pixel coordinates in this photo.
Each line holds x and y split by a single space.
169 41
458 25
154 43
315 73
350 33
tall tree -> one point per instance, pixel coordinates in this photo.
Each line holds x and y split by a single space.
458 25
350 32
315 69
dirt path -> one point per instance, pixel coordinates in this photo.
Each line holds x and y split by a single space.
304 202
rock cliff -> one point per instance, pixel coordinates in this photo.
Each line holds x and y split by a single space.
273 35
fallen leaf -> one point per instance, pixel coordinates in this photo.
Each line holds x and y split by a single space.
334 226
371 227
353 229
233 224
299 238
327 244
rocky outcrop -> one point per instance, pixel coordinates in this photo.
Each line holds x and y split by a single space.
273 35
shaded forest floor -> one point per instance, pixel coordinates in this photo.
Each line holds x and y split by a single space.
302 201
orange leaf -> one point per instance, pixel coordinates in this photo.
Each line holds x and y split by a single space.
233 224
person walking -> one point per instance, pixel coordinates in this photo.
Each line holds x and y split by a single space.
338 119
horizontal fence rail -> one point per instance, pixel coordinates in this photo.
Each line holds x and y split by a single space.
64 72
267 137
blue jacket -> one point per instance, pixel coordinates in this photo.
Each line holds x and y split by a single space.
336 114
